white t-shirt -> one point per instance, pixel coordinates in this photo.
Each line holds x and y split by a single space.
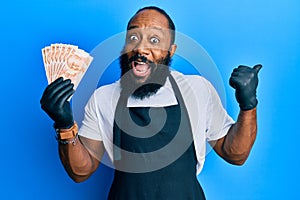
209 120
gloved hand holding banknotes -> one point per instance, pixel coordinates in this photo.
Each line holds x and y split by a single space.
65 66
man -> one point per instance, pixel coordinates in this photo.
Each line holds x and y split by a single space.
156 155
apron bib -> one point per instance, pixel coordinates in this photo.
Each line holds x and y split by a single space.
151 178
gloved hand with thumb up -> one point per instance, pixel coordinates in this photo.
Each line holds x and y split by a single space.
245 80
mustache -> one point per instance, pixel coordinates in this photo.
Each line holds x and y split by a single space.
140 58
125 61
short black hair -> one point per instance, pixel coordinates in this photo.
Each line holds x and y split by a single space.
161 11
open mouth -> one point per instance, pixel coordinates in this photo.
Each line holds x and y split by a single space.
140 69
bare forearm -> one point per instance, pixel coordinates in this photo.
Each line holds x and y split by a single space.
237 144
77 161
240 138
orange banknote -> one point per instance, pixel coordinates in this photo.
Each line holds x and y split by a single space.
67 61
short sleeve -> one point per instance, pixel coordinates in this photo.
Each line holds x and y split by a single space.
218 120
90 124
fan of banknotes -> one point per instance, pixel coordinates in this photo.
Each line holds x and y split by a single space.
67 61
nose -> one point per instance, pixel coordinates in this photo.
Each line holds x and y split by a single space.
142 48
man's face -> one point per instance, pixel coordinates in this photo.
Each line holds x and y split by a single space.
148 44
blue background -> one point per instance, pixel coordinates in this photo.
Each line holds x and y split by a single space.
232 32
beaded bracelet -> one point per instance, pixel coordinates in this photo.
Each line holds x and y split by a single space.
73 141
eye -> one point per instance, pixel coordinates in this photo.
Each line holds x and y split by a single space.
154 40
133 38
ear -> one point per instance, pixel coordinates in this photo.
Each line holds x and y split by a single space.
172 49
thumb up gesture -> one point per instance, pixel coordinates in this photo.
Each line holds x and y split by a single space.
245 80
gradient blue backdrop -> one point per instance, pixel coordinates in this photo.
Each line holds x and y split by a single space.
232 32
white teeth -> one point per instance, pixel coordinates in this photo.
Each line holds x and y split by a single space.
140 63
141 70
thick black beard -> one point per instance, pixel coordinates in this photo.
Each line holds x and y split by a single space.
159 73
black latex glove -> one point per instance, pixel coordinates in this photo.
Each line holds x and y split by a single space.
244 80
55 102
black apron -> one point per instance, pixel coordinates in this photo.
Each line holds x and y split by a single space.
148 172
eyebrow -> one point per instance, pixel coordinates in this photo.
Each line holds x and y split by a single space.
132 27
154 27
